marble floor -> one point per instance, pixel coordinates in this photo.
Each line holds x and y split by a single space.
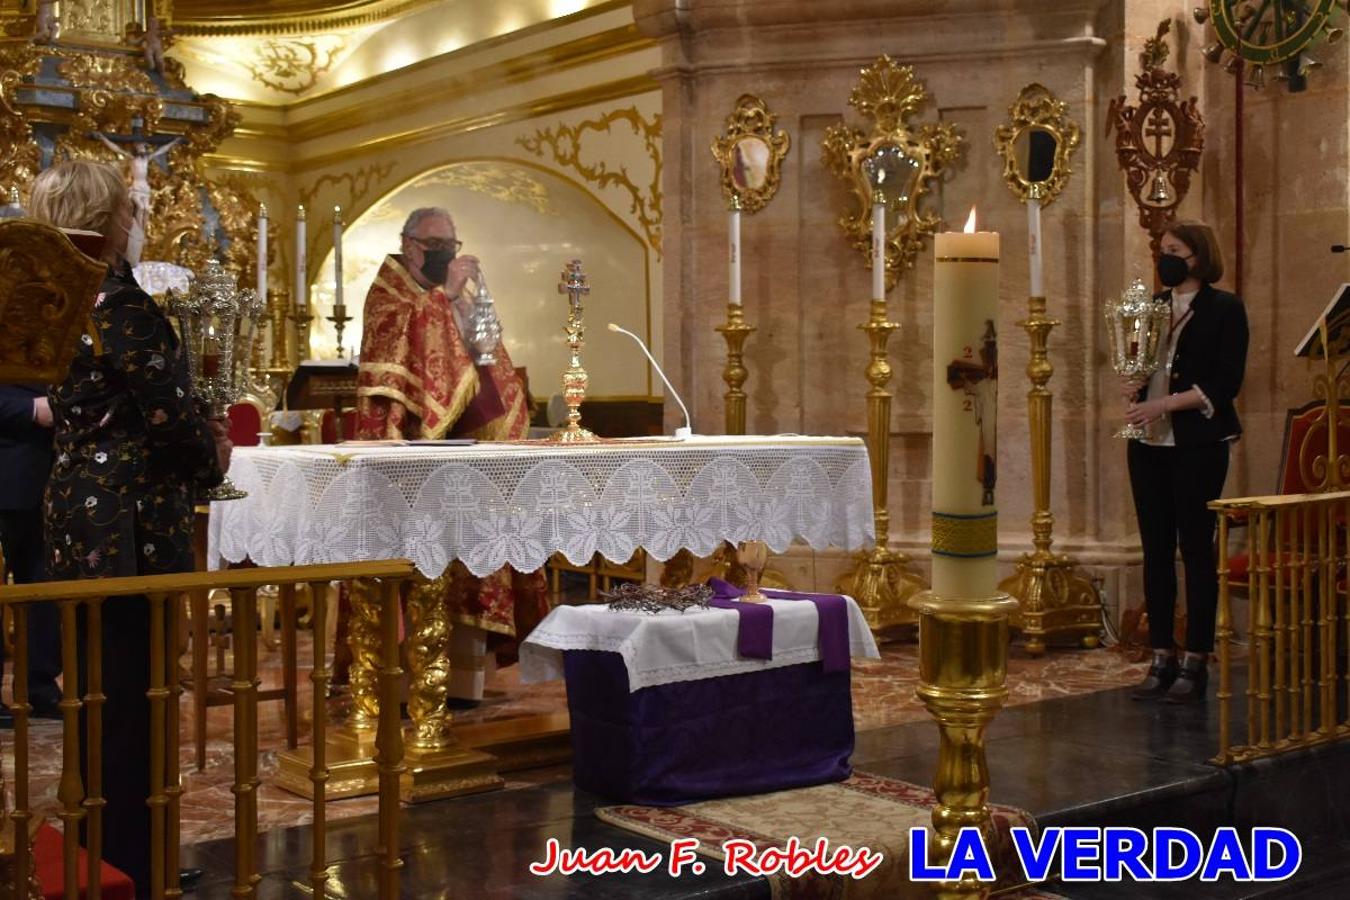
883 696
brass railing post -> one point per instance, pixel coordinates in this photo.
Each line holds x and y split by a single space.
1306 562
1225 635
1263 632
70 791
389 740
159 695
289 668
318 774
244 609
173 782
1277 567
21 815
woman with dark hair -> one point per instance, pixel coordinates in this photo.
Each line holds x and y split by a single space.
131 447
1181 466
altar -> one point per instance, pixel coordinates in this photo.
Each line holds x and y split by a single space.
500 504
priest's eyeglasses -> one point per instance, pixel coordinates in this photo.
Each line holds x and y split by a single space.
436 243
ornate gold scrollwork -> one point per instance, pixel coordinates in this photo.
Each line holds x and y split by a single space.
564 144
751 155
47 289
1040 132
889 95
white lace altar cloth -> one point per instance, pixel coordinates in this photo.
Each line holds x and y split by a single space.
670 646
492 505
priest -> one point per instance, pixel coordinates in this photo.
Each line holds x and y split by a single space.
418 380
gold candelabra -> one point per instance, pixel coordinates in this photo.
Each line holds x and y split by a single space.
339 318
1054 597
575 378
304 321
278 306
881 581
735 331
963 670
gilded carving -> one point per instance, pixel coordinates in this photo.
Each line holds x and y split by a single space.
21 161
508 184
750 154
359 184
563 144
889 94
90 16
428 648
110 73
293 65
364 638
46 291
1037 115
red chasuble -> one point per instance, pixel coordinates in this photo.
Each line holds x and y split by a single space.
418 381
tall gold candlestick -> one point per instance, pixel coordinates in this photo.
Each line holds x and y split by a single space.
963 620
734 332
1054 596
278 306
575 378
880 581
304 322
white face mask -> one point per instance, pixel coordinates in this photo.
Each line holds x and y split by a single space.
135 244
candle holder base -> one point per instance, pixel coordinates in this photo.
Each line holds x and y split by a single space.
883 586
1053 599
963 662
572 435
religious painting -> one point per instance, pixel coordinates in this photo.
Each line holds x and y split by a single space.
751 168
975 375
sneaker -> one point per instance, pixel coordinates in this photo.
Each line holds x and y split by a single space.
1161 676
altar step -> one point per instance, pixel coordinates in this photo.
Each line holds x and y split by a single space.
1095 759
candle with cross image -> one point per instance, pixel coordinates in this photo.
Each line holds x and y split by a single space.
965 413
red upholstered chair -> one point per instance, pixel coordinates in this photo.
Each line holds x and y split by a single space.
329 431
1305 439
245 424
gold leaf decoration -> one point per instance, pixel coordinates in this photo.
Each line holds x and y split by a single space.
293 65
563 144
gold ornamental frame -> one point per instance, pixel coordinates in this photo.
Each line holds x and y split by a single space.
889 94
750 124
1037 110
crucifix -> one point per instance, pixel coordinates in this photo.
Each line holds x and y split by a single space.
978 379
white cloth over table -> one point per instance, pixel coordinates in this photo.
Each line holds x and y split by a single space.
670 646
492 505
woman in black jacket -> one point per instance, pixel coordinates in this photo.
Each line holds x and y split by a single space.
1181 466
131 449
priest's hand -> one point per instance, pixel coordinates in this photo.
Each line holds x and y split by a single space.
462 268
1147 412
220 430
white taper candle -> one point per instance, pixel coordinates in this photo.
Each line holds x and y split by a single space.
734 229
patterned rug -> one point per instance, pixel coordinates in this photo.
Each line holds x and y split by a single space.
864 811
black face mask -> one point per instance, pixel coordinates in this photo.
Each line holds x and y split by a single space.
436 263
1172 270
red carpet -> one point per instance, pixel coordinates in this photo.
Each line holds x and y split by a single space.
47 854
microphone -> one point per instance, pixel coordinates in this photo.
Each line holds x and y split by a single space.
1339 248
687 430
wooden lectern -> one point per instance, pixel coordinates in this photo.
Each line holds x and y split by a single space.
324 384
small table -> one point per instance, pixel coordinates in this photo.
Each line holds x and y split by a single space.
664 711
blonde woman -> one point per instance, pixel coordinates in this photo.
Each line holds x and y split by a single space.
131 447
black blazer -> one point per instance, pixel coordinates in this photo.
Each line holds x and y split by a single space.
1212 354
25 448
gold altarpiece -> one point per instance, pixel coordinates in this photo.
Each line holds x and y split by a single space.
96 78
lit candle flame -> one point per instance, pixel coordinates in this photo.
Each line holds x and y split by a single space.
970 223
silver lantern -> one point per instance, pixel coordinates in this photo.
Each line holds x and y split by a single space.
485 329
218 324
1135 326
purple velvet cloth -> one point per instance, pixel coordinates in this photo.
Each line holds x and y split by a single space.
754 639
694 740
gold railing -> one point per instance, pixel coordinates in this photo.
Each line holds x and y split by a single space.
80 793
1297 623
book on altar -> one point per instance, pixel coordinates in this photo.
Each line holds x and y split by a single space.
1337 316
